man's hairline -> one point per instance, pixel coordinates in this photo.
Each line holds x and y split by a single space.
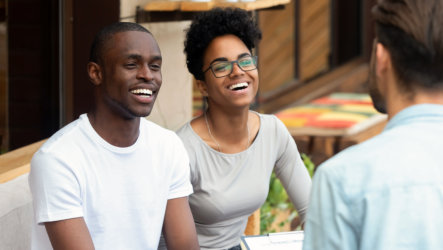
111 37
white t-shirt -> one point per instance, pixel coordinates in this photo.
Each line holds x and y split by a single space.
120 192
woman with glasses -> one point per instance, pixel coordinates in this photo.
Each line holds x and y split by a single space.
233 150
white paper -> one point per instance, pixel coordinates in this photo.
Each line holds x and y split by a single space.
278 241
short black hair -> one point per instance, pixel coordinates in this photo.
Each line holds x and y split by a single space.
412 32
105 34
214 23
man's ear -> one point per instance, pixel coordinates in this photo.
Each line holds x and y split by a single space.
201 85
95 73
383 57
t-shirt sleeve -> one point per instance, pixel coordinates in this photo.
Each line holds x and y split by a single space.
291 170
180 184
55 189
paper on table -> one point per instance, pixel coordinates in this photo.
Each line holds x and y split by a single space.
277 241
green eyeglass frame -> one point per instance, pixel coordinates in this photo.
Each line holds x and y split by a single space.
223 68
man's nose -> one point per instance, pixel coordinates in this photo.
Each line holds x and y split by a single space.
145 73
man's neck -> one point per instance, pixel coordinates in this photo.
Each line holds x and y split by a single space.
117 132
399 101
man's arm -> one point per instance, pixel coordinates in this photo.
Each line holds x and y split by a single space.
69 234
179 228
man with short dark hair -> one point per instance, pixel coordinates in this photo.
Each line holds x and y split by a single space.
111 179
387 192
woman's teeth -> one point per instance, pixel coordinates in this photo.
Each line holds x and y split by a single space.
237 86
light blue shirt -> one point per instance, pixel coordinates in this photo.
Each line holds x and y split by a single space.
385 193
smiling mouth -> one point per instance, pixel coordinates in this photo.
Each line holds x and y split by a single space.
142 92
238 86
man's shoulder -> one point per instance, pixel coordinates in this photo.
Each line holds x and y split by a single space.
359 158
66 145
64 137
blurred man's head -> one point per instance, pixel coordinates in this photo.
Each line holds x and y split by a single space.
410 40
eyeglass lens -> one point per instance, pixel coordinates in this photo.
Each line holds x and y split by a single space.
221 69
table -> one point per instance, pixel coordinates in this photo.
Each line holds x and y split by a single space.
327 125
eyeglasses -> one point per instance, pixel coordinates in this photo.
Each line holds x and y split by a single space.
224 68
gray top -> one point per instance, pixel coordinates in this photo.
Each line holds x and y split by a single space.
229 187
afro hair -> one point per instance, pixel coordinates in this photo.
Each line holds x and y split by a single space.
214 23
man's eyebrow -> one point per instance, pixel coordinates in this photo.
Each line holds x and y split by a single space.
134 56
157 58
139 57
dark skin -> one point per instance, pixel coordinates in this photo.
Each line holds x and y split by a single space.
132 66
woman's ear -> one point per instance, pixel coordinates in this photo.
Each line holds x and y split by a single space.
201 85
95 73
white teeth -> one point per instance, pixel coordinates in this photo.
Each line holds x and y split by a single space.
142 91
238 85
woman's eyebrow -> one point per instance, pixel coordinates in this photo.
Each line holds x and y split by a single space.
243 55
220 59
224 59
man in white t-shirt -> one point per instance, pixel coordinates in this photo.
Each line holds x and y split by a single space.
111 180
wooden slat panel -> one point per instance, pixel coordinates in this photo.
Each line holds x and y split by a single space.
314 37
277 48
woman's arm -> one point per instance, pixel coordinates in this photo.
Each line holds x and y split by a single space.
292 172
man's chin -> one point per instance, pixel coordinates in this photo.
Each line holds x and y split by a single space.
144 114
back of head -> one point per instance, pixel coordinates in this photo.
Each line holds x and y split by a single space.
104 35
214 23
412 31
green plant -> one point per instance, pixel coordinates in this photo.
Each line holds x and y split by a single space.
308 163
278 200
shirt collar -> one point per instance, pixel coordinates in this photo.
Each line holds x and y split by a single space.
416 113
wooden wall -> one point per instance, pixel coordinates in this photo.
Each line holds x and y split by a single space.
291 50
314 41
277 48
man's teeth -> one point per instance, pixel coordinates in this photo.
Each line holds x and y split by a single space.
238 85
142 92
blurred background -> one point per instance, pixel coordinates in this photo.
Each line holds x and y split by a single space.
310 48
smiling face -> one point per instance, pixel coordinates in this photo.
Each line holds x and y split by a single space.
129 75
236 89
